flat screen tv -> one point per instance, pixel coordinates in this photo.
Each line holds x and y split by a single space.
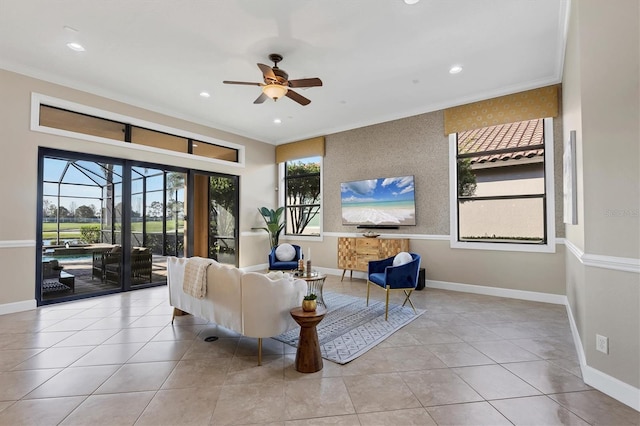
379 202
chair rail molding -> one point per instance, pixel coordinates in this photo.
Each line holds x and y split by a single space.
625 264
17 243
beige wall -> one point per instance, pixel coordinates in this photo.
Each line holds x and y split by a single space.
18 174
417 146
601 103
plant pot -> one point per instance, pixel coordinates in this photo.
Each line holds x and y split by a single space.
309 305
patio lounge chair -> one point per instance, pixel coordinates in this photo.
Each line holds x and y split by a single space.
108 265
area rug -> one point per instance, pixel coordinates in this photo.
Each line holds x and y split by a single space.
350 328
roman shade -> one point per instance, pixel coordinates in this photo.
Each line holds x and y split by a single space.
301 149
536 103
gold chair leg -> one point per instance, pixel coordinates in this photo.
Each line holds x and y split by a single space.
407 298
259 350
368 292
386 308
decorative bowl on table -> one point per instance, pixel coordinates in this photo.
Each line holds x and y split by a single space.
370 234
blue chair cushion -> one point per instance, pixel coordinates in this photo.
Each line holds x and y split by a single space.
377 278
284 266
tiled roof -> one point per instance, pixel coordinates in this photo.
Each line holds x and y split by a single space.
505 136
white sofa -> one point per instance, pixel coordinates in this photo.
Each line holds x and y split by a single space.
248 303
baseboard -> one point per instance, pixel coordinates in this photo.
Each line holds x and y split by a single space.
533 296
577 341
606 384
611 386
24 305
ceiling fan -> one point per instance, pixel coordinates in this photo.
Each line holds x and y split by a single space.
277 84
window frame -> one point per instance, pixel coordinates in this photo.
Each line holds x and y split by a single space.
549 178
38 99
282 191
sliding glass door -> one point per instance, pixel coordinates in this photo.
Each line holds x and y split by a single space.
215 208
80 226
108 225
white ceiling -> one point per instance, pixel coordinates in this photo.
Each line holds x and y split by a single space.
379 59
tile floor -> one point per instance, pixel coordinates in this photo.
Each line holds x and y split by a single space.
470 359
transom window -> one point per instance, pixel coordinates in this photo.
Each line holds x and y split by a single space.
61 117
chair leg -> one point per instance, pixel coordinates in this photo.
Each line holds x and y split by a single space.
368 292
407 298
386 307
259 350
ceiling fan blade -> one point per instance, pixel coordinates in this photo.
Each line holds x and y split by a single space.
297 97
267 72
261 98
305 82
246 83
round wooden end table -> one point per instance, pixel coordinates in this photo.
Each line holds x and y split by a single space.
308 357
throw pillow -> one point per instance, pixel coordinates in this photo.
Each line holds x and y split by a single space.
285 252
402 258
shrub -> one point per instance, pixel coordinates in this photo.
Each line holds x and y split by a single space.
90 233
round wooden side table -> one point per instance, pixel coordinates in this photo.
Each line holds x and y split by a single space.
308 357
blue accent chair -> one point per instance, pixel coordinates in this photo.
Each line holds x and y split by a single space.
278 265
404 277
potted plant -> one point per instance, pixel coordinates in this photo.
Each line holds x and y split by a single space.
309 303
274 224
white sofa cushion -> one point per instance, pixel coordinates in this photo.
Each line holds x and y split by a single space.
266 303
224 288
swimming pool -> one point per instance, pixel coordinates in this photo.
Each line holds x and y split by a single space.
67 258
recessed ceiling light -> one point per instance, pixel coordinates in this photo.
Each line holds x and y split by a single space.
75 46
205 94
277 121
455 69
411 1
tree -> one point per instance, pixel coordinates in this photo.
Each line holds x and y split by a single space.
222 192
155 209
64 212
466 179
303 194
85 211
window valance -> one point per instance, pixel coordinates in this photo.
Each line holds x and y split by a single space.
536 103
301 149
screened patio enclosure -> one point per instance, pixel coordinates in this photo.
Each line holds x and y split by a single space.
107 226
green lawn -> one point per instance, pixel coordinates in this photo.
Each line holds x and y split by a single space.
71 230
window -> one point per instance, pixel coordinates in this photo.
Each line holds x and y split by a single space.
56 116
302 200
502 187
81 123
157 139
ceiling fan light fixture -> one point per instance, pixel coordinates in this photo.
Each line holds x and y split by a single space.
75 46
274 91
456 69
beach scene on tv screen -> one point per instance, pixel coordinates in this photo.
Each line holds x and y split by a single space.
383 201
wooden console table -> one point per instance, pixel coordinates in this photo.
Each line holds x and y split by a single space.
354 253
